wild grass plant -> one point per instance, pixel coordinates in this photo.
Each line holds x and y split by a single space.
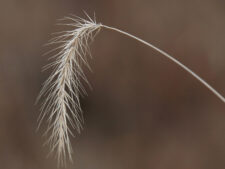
61 91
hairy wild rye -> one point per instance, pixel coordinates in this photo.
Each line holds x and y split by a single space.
61 91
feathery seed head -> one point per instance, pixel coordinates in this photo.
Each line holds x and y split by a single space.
63 88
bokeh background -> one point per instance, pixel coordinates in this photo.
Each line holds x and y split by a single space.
144 111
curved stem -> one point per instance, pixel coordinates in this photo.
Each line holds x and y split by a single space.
171 58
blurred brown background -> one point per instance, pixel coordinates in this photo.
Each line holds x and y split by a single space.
144 112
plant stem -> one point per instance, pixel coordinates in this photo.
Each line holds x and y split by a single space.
172 59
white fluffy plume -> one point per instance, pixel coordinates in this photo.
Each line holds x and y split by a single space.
63 88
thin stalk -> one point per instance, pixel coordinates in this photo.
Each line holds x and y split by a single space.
172 59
